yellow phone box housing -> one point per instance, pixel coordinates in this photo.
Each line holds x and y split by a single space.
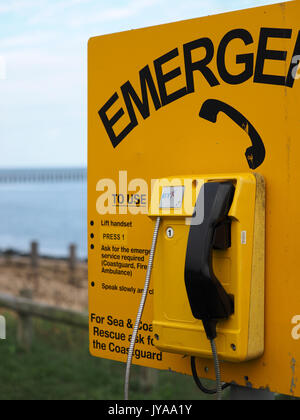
240 269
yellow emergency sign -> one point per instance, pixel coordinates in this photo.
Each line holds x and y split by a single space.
204 97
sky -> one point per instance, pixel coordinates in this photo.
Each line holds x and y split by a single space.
43 49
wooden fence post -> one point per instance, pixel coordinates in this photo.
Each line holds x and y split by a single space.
34 255
8 256
72 265
25 324
34 265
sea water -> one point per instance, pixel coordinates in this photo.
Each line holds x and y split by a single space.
52 213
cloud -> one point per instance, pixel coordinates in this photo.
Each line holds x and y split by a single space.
54 10
94 12
19 6
152 12
43 50
188 9
28 39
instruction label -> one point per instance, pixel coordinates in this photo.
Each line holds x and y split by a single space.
117 258
114 335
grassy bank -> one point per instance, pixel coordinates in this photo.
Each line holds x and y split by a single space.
59 367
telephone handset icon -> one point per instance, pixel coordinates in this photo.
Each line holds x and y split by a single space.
255 154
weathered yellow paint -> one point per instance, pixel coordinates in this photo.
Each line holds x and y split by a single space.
170 138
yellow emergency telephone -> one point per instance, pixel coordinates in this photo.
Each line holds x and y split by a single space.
207 264
208 270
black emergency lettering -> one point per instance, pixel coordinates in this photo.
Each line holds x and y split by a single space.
109 123
201 65
130 95
247 59
291 77
162 78
264 54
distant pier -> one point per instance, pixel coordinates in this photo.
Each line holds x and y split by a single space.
14 176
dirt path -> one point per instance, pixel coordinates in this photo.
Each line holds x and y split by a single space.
52 283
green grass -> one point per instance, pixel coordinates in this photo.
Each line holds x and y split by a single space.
59 367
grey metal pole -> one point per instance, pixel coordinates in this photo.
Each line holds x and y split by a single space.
241 393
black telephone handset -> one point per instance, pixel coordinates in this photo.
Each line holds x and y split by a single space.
208 299
256 153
